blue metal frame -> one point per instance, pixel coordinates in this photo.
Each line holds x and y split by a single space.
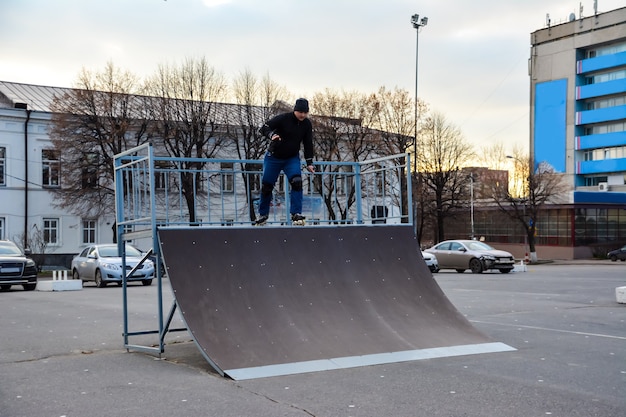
139 212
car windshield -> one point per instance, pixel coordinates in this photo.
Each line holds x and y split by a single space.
111 251
9 249
476 245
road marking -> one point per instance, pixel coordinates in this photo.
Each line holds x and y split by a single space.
551 330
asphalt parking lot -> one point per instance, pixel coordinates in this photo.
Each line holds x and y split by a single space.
61 354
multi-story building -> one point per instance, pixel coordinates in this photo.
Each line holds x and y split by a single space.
29 175
578 126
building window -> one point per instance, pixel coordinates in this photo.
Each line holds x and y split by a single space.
228 177
607 76
89 231
344 181
612 49
2 228
3 164
594 181
50 166
89 171
161 175
254 180
51 231
379 181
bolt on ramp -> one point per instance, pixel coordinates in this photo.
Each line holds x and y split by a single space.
269 301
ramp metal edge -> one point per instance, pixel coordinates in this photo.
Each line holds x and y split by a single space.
366 360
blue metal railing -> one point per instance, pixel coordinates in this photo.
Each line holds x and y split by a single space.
154 191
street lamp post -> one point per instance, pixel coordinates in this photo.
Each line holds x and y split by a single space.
417 24
472 204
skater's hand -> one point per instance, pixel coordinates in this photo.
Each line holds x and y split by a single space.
311 169
275 137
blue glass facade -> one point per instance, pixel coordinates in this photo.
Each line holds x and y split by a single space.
550 123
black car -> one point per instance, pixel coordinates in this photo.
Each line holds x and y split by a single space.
16 268
616 254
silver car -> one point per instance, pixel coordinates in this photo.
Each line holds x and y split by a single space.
103 264
431 261
471 254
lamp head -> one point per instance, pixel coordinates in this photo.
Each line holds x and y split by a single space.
417 23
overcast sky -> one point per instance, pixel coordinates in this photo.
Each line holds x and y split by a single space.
473 55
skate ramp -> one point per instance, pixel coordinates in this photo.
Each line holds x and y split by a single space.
269 301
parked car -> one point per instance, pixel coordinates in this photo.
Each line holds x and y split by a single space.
103 264
16 268
471 254
431 261
616 254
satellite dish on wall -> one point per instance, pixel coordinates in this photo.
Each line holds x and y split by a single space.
572 17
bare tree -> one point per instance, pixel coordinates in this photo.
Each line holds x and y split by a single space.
442 153
539 187
492 156
256 99
34 242
101 117
395 111
341 134
185 111
494 175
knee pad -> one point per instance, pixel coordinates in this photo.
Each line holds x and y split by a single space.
266 189
296 183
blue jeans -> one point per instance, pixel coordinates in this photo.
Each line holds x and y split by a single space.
272 167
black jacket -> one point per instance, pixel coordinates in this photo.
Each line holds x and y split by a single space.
293 133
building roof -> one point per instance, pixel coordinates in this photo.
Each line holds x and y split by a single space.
40 98
36 97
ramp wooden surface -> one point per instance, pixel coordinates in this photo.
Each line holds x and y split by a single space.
268 301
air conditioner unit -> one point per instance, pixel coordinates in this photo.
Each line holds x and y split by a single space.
603 186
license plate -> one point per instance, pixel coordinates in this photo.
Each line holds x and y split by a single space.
9 270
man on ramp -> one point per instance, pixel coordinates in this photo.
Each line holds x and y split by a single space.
287 132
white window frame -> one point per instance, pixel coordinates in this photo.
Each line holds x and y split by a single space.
51 167
51 231
227 170
3 166
89 230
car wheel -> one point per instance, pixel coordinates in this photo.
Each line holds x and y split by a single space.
460 271
99 282
75 274
476 266
5 287
146 282
505 271
29 287
613 258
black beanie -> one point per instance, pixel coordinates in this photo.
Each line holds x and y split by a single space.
301 105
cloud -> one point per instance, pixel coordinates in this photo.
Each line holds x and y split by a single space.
215 3
472 55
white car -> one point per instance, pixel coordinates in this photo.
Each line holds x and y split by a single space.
431 261
103 264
